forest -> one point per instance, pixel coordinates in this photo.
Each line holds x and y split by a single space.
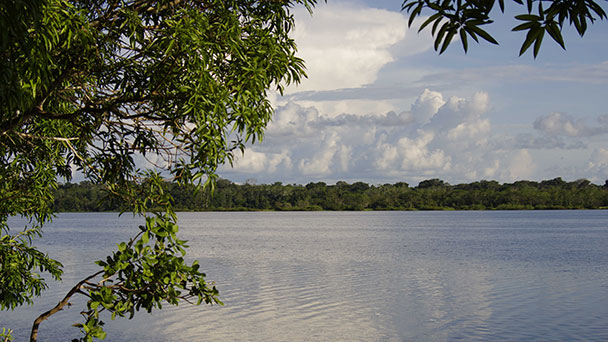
431 194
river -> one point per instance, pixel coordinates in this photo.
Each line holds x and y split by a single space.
357 276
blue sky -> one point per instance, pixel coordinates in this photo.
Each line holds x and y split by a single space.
381 106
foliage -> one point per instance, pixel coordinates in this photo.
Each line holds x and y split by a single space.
142 273
19 281
464 18
429 194
103 86
6 335
177 86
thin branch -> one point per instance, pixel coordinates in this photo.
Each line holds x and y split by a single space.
31 136
58 307
77 155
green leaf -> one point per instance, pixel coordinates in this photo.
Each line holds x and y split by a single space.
440 34
414 14
528 17
483 34
447 40
463 39
433 18
471 33
530 39
525 26
555 33
169 47
537 44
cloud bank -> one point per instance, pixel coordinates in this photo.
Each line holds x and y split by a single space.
345 46
368 113
562 124
450 138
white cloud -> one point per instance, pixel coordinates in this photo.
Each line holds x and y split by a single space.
354 107
322 161
392 144
562 124
458 110
293 119
297 119
450 139
416 154
387 156
253 161
470 130
597 167
365 113
345 46
410 154
535 142
279 159
490 170
600 156
521 166
427 105
559 124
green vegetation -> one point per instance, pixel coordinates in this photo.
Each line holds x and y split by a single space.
464 18
101 85
5 336
432 194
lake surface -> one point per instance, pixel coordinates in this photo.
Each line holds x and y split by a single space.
358 276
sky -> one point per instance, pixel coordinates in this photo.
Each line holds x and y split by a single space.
381 106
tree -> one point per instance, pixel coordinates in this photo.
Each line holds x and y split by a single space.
102 86
540 17
432 183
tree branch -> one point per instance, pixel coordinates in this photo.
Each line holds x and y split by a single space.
58 307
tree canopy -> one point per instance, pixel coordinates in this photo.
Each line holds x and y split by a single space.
431 194
126 91
100 86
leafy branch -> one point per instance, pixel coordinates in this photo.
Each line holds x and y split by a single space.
142 273
465 18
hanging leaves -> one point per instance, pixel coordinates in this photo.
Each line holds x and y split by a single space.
466 17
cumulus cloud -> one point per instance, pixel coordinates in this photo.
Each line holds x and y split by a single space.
521 166
441 136
363 115
345 46
597 167
535 142
416 155
255 162
432 137
330 155
562 124
458 110
355 107
295 119
426 105
410 154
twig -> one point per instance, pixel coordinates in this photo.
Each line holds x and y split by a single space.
58 307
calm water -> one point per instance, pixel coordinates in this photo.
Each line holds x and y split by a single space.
360 276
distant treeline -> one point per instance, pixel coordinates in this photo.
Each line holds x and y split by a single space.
432 194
